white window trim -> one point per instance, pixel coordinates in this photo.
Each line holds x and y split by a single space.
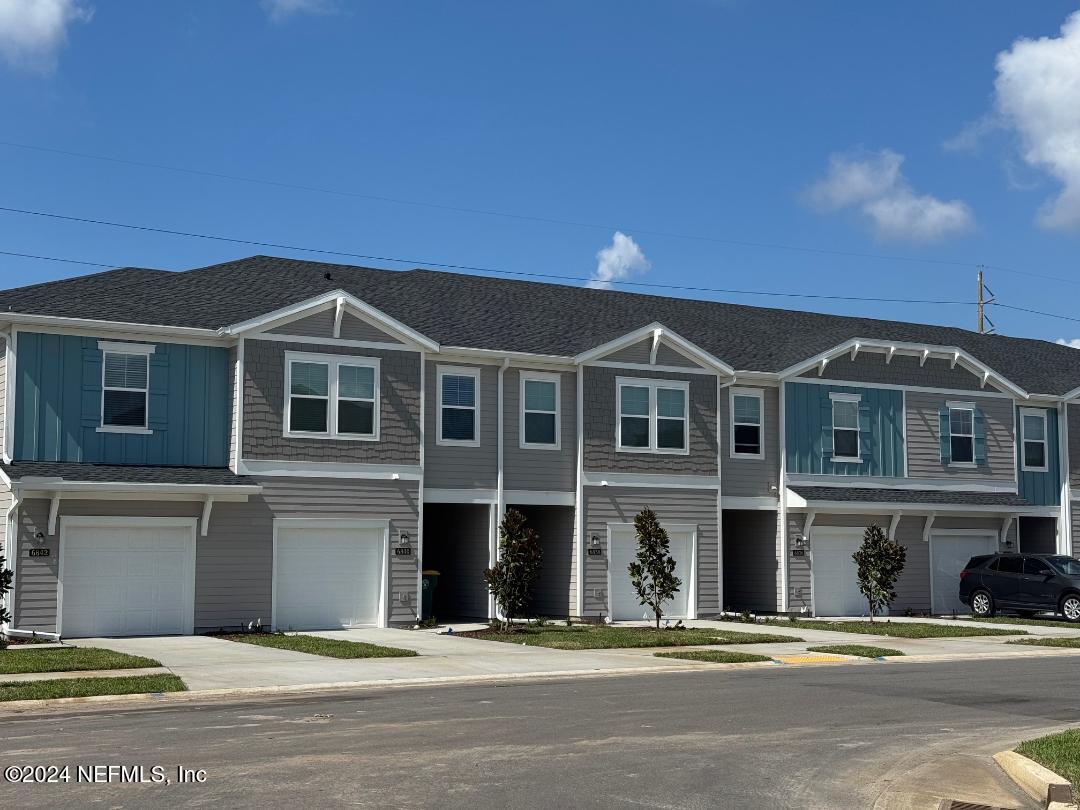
652 385
457 371
759 395
1041 414
538 376
114 347
835 397
334 362
962 406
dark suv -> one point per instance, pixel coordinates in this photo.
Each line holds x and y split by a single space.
1022 583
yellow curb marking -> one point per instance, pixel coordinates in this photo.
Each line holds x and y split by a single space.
809 659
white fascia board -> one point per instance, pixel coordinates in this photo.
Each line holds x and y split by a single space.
497 356
759 503
30 488
330 469
796 501
679 343
536 497
81 324
864 482
952 353
325 301
654 481
478 496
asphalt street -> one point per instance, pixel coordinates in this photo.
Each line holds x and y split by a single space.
885 735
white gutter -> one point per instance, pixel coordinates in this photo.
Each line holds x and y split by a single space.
58 485
780 494
90 323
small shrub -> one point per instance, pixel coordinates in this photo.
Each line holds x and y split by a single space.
880 562
652 573
5 587
512 577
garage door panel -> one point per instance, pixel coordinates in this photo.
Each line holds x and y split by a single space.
836 581
127 578
328 577
949 554
625 605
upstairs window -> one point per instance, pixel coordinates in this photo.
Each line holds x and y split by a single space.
652 416
459 411
125 387
1033 439
962 435
331 397
845 424
540 411
746 423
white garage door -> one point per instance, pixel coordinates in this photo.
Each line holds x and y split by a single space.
836 581
949 554
625 605
126 577
328 576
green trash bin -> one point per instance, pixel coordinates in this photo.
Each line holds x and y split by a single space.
427 597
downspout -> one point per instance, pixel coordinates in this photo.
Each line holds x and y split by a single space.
420 503
720 387
782 495
493 552
579 494
1065 520
11 539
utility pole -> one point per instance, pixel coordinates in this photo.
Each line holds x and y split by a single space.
981 303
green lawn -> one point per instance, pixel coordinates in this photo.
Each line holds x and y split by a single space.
1036 622
883 627
316 645
861 650
1058 752
600 637
68 659
715 656
85 687
1071 641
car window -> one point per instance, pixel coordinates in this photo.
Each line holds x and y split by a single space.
1034 566
1069 566
1010 565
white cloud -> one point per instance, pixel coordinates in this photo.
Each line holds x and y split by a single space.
872 183
1075 342
970 137
33 31
1037 94
621 259
280 10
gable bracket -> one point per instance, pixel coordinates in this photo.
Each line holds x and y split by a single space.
339 311
821 368
955 360
892 526
927 526
204 524
54 510
889 354
855 350
655 345
925 356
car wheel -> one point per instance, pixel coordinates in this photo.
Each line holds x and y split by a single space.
1070 607
982 604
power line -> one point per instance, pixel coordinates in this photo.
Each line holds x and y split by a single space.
1034 311
524 217
53 259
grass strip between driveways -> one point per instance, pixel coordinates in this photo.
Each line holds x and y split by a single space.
883 627
861 650
715 656
597 637
69 659
1032 622
87 687
1058 752
317 645
1071 641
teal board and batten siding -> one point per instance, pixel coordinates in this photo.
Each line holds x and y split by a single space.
1041 488
58 405
808 413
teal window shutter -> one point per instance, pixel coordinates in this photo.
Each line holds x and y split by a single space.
825 462
980 438
866 435
945 435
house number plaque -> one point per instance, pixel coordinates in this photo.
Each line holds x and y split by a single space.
40 552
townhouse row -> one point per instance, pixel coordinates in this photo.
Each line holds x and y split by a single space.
290 444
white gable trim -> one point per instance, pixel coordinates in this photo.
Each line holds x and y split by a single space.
923 351
340 301
658 333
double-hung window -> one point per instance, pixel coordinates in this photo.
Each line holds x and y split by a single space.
746 437
331 396
539 410
125 387
961 433
1033 439
845 427
652 416
459 406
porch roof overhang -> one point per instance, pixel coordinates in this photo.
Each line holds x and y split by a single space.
910 501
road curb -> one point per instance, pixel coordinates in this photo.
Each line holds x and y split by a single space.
1042 784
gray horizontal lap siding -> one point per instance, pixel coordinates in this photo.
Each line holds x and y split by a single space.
747 477
1075 510
870 367
454 466
924 431
264 408
601 413
234 562
1074 444
604 505
321 324
536 469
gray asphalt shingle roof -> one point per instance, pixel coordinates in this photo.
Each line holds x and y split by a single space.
929 497
124 474
510 315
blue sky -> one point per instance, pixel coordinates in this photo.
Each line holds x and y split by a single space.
676 132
